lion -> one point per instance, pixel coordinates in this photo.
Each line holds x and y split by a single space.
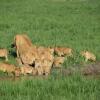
58 61
45 53
42 49
88 55
34 71
44 60
17 71
25 69
42 67
46 65
4 53
63 51
25 50
6 67
38 66
22 43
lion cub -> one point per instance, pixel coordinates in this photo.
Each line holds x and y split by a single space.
17 71
88 56
58 61
28 70
4 53
43 67
63 51
5 67
42 50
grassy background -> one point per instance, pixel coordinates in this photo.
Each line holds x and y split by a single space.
70 88
70 23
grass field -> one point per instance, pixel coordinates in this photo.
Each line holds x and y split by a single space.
70 23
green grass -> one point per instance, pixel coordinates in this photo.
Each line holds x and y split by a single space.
70 23
70 88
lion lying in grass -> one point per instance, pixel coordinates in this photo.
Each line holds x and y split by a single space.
63 51
58 61
5 67
17 71
88 56
28 70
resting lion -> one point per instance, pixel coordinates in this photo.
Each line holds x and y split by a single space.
88 55
28 70
6 67
63 51
58 61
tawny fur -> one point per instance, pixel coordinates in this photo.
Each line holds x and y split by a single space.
17 71
58 61
63 51
42 49
25 50
34 71
88 55
5 67
44 60
43 67
25 69
4 53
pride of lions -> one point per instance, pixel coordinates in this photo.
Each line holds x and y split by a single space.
37 60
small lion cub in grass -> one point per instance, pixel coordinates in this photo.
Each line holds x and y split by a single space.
58 61
88 55
4 53
17 71
26 69
63 51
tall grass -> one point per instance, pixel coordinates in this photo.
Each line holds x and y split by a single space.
70 88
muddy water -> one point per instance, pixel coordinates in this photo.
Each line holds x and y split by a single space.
21 78
90 71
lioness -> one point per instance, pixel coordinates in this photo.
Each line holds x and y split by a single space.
38 66
43 67
44 60
4 53
42 49
26 52
46 65
25 69
88 56
17 71
5 67
63 51
58 61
